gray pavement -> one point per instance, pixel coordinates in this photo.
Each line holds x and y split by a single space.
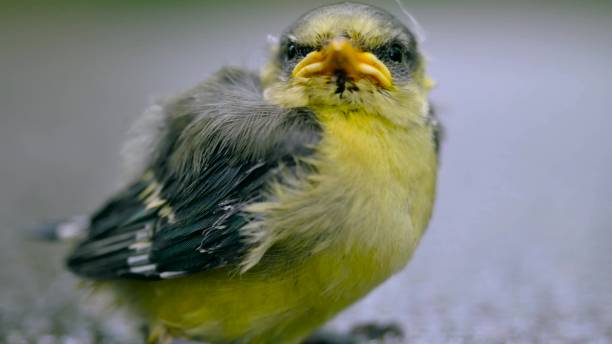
520 247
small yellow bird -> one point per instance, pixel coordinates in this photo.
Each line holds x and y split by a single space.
265 204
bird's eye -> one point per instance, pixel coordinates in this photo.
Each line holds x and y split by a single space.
396 52
292 50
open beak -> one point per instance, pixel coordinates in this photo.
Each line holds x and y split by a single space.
340 56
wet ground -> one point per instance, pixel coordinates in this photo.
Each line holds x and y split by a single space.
520 247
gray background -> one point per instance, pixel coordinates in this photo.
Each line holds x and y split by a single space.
520 247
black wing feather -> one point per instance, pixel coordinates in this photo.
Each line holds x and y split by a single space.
196 226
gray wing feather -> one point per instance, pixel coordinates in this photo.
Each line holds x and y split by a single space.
221 147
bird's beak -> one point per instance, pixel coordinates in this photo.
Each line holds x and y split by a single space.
340 56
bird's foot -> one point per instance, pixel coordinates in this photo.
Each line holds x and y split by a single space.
364 333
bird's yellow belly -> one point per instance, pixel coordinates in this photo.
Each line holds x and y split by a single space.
370 202
258 307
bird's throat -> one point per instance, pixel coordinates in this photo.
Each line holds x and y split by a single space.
340 82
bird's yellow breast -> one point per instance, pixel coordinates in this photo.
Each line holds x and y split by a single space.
359 217
389 176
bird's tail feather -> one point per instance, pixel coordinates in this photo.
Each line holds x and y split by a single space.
67 229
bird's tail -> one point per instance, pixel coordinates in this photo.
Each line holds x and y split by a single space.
67 229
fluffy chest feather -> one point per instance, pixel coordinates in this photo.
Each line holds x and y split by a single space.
371 194
386 175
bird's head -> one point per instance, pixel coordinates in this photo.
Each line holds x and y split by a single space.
350 56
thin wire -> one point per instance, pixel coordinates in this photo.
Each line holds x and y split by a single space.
413 25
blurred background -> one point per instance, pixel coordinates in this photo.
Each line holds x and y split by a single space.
520 246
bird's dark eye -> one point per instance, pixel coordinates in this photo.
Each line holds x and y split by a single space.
396 52
292 50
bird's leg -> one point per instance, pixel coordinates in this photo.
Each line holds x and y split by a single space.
329 337
385 333
364 333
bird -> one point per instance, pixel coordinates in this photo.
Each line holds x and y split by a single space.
261 204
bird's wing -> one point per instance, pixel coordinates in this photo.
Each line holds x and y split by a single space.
222 145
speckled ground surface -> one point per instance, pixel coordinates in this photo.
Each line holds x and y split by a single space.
520 247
